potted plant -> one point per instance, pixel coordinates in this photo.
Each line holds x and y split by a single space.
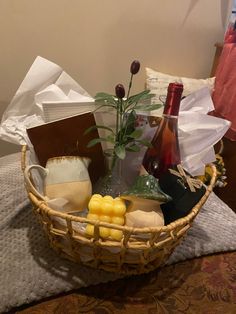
125 137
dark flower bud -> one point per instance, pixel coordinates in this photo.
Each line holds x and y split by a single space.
120 91
135 66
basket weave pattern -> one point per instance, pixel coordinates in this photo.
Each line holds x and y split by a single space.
140 250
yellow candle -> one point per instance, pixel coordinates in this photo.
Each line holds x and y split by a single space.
108 210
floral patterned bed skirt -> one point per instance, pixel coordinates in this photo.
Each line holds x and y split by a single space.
203 285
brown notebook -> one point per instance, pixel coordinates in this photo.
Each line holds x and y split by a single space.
66 137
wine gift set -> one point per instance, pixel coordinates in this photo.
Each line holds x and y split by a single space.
89 212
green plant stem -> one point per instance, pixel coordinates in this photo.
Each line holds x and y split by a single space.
130 107
127 125
120 122
113 163
117 121
130 85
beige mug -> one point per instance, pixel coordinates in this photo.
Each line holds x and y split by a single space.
66 178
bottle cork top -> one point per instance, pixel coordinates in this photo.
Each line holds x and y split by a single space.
175 87
173 99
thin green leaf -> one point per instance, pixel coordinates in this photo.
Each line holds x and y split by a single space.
145 100
138 97
145 97
96 141
90 129
134 98
150 107
106 102
102 94
130 122
136 133
106 128
111 138
133 148
95 127
120 151
106 98
145 143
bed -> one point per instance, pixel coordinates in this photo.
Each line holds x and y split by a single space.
205 284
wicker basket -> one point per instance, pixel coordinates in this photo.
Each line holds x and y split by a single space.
140 250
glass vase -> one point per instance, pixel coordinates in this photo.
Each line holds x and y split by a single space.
113 183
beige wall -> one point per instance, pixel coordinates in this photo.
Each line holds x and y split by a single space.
95 40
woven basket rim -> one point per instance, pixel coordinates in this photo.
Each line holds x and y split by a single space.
127 229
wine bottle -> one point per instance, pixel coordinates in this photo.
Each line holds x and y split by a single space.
165 153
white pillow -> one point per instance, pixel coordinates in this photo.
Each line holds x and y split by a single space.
158 82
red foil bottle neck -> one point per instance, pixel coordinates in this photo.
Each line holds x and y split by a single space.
173 99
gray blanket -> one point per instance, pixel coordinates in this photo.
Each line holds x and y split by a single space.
30 270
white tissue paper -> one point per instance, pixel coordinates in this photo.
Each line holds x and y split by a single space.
48 93
198 132
45 81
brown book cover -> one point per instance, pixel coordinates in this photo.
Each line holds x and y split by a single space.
66 137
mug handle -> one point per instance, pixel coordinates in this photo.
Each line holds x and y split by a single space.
27 175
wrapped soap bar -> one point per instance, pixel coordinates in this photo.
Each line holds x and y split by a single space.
107 209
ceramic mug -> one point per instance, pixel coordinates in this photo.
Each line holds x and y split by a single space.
66 178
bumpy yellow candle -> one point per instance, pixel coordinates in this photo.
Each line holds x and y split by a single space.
109 210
